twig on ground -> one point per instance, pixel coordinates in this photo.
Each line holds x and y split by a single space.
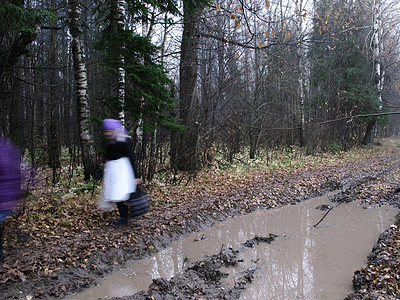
326 214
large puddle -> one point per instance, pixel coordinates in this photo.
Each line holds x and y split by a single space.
304 262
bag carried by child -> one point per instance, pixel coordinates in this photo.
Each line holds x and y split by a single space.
138 203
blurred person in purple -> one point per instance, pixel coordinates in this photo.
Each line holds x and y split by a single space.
120 176
10 183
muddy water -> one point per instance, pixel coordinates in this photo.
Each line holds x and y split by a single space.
304 262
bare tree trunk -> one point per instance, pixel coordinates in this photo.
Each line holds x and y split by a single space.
377 51
255 114
300 69
53 140
186 157
153 142
86 140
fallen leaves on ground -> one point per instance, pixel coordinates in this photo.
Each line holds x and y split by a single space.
380 278
62 241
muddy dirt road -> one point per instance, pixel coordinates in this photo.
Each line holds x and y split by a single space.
64 245
276 254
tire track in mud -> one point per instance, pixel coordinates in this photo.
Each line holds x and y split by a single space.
352 185
202 280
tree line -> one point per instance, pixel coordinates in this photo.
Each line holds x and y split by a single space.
191 78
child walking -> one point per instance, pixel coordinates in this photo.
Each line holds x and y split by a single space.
120 172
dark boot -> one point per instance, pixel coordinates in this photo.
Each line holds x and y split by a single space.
2 256
123 214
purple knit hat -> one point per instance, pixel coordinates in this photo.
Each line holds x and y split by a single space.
111 124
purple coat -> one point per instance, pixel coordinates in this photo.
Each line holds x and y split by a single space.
10 175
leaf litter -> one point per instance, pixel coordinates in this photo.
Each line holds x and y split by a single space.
63 244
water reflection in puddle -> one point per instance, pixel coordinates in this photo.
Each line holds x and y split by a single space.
304 262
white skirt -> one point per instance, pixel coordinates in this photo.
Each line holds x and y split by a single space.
118 180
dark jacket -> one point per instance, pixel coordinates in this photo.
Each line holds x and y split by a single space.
120 149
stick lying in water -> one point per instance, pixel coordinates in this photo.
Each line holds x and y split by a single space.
327 213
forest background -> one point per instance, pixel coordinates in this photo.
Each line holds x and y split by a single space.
196 82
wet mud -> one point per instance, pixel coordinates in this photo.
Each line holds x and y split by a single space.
202 280
72 280
274 254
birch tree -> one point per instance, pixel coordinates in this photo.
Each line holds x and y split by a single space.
81 89
376 47
300 69
120 26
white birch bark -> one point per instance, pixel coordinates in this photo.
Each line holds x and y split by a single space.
377 57
81 87
121 20
377 47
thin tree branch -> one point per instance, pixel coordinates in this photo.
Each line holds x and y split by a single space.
327 214
325 122
243 45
